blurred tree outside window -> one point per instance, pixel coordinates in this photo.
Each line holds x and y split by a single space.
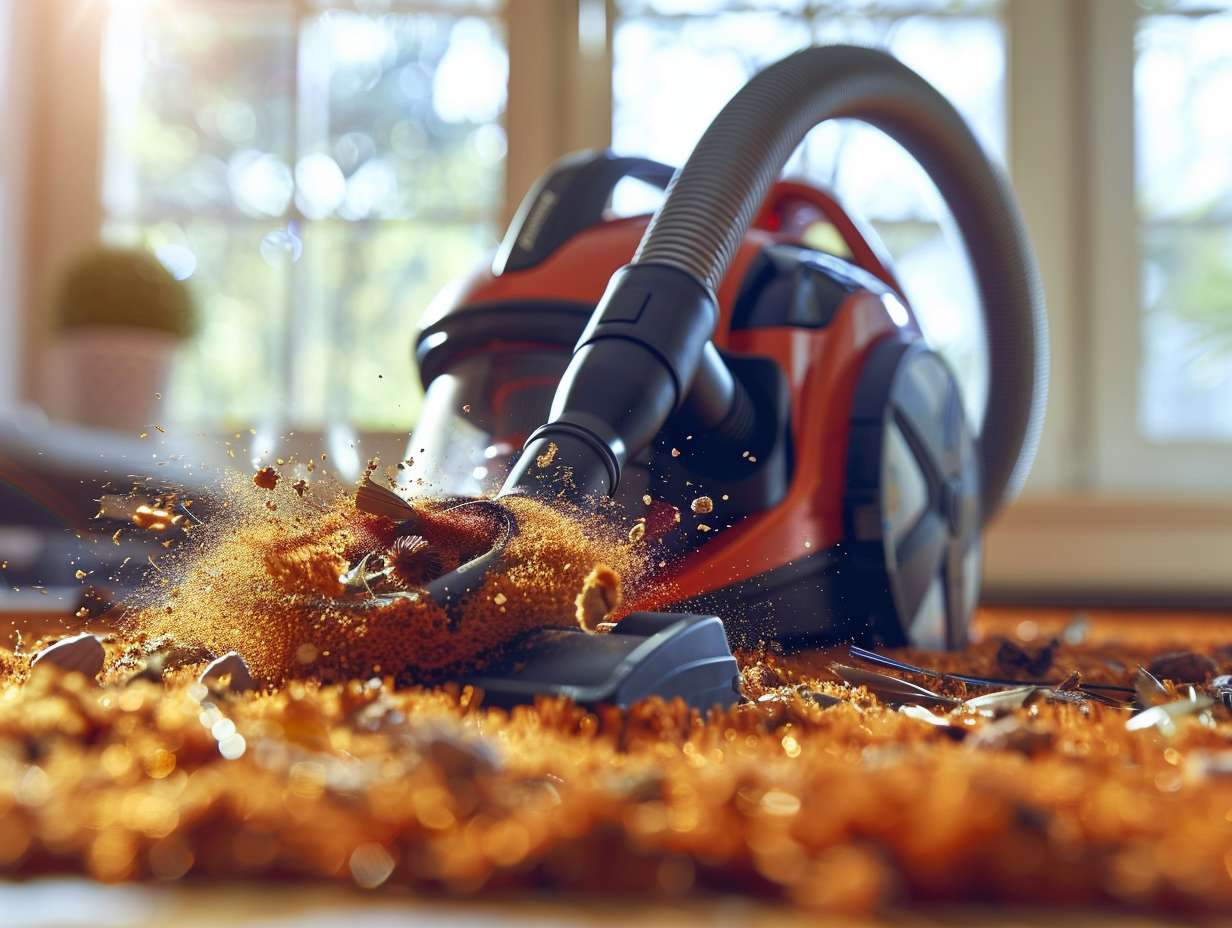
316 171
676 62
1183 102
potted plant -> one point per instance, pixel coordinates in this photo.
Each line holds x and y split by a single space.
118 318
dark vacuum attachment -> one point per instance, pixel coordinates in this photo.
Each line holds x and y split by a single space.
647 654
645 354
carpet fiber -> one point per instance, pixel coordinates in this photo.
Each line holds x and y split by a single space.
813 791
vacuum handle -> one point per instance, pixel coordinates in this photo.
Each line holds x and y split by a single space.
571 196
791 207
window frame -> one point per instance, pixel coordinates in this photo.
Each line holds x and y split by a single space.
1090 526
1123 458
1078 527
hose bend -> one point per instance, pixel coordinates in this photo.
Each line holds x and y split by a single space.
713 199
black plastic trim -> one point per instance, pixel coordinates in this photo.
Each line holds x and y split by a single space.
791 285
804 603
648 654
557 322
570 197
646 348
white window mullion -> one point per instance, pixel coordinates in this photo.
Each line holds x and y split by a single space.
535 32
17 118
1114 294
560 85
1043 113
587 112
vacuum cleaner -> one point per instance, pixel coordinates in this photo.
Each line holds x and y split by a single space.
707 350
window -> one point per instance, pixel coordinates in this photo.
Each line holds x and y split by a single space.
1183 85
316 171
677 62
1161 204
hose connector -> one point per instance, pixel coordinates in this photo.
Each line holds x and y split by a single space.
633 366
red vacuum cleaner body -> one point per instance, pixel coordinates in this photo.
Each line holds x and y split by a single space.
818 531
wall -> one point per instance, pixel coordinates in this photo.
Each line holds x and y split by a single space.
14 178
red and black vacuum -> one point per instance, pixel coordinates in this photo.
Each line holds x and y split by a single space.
706 350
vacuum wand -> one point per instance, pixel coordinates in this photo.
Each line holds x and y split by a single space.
645 353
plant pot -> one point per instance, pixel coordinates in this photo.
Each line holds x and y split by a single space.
111 378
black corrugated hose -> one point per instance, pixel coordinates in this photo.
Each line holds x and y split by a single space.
713 199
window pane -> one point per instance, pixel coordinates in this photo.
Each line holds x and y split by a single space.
1168 6
227 374
1183 82
365 287
388 6
199 109
401 116
315 171
675 68
818 8
1186 382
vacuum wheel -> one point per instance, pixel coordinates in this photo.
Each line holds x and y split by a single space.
911 508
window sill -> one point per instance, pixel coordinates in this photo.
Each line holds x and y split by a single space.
1111 550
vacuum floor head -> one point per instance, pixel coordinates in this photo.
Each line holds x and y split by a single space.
671 656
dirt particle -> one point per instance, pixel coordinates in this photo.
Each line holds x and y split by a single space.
266 478
599 597
1183 667
413 561
544 460
153 519
1014 660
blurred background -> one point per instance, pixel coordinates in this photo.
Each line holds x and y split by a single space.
314 171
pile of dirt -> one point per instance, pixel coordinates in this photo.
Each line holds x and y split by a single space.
308 590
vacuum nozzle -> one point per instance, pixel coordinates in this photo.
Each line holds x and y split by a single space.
646 349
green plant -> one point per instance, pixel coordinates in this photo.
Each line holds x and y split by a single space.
1205 297
122 287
